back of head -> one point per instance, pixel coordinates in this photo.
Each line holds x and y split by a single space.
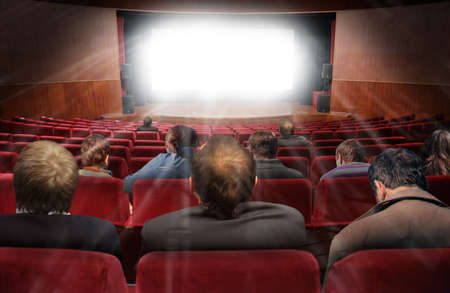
147 121
351 150
438 153
286 128
181 136
263 144
397 167
94 150
223 175
45 178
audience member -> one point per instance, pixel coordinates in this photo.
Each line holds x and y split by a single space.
147 125
351 160
406 216
176 163
287 137
45 178
223 176
263 146
95 152
438 153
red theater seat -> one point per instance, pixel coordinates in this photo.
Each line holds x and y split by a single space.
342 200
147 151
156 197
416 147
118 166
322 135
439 186
300 164
391 140
80 132
103 132
101 197
18 146
57 139
7 162
228 271
345 134
324 151
75 140
5 146
391 270
327 142
75 149
23 138
137 163
367 140
376 149
121 141
121 151
149 143
45 130
5 136
383 132
125 135
147 135
320 166
62 131
16 127
44 270
296 193
7 195
294 152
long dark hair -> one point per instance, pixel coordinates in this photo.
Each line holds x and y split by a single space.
182 136
438 153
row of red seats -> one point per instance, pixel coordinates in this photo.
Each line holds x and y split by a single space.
336 201
383 270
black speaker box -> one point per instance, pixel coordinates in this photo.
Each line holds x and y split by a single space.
327 71
128 104
323 103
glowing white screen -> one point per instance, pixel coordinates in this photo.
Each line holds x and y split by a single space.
213 60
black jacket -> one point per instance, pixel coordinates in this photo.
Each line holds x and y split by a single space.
274 169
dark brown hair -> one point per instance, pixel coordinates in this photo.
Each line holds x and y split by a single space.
352 150
263 143
182 136
223 175
45 178
147 121
438 157
94 150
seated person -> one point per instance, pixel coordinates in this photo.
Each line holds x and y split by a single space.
223 176
45 178
351 160
95 152
176 163
287 137
406 216
437 160
263 146
147 125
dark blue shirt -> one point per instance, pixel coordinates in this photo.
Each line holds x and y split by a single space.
166 165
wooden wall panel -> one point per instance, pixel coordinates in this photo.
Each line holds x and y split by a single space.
87 99
392 61
54 59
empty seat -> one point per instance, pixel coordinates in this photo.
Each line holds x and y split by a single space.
44 270
16 127
23 137
80 132
156 197
296 193
320 166
45 130
324 151
327 142
75 140
365 133
294 152
121 151
147 151
439 186
391 140
400 130
391 270
149 143
342 200
415 147
7 161
228 271
125 135
367 140
18 146
322 135
103 132
147 135
345 134
75 149
300 164
5 146
62 131
376 149
121 141
101 197
5 136
7 195
57 139
383 131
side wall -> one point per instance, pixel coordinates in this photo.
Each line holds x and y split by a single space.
392 61
58 60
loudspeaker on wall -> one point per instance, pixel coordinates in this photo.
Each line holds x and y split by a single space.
323 103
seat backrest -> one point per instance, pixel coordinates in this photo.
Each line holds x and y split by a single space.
342 200
296 193
101 197
118 167
300 164
156 197
294 152
391 270
327 142
439 186
121 151
376 149
149 143
147 135
7 162
75 149
121 141
45 270
415 147
322 135
57 139
80 132
104 132
125 134
137 163
7 195
391 140
324 151
228 271
320 166
24 137
62 131
147 151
